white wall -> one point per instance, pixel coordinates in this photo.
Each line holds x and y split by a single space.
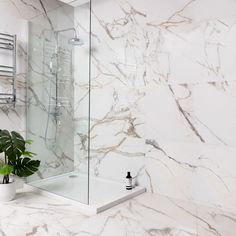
163 96
163 93
13 20
14 16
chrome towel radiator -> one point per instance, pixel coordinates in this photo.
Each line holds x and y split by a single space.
8 72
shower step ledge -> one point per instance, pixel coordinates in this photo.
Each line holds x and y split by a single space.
84 208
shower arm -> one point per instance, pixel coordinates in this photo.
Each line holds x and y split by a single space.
69 29
60 31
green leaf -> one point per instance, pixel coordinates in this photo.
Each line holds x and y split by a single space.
28 154
29 141
1 146
6 169
24 167
13 144
19 160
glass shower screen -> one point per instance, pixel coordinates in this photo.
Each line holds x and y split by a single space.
58 100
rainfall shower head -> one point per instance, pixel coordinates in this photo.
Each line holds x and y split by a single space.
75 41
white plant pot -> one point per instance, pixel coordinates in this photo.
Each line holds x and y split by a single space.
19 182
7 191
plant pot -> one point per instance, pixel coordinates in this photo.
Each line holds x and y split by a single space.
7 191
19 182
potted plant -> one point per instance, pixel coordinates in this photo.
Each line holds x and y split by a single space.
14 160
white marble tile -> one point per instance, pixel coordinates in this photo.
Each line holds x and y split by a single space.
162 97
192 172
51 92
14 15
165 41
215 222
148 214
30 214
171 71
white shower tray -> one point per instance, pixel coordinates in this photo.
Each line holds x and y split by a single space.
73 187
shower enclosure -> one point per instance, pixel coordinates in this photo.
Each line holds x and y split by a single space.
58 111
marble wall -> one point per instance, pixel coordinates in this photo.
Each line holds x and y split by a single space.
162 93
15 16
51 92
163 96
13 20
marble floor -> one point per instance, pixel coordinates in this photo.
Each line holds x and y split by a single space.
145 215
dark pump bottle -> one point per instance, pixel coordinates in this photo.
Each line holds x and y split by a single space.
128 181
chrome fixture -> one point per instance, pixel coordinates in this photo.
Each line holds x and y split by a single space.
75 41
8 42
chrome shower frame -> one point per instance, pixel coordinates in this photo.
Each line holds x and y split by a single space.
57 106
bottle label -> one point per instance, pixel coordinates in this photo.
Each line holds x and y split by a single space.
128 183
